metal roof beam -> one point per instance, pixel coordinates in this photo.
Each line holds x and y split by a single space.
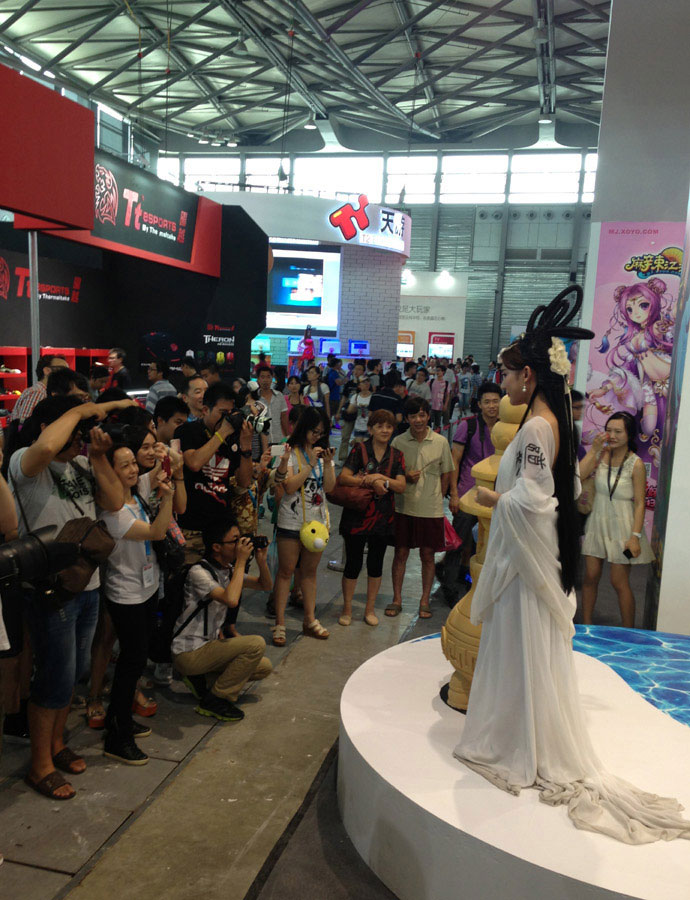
592 42
390 35
239 13
350 14
476 55
445 40
575 15
352 69
70 48
158 42
481 127
17 14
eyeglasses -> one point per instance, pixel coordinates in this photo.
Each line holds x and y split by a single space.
229 542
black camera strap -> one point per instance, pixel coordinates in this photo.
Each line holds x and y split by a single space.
19 501
202 604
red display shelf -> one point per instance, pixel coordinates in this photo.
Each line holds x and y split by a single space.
67 352
13 358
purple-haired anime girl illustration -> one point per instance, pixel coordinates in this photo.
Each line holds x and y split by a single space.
640 360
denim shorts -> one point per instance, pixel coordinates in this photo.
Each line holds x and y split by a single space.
61 641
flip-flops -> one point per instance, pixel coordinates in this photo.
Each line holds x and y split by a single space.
393 609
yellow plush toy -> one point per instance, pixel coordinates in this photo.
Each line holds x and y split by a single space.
314 536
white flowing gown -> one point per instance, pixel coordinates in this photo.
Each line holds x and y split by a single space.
525 726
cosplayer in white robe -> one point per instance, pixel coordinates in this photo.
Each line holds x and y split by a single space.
525 726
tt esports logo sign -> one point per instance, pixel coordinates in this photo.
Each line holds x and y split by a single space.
106 196
4 278
348 219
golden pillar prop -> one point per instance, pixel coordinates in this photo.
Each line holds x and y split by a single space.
459 637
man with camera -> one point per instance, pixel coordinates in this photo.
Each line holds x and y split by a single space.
54 484
199 647
215 448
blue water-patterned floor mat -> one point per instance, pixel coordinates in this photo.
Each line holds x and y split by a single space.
655 664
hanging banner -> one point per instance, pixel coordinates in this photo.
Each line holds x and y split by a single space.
636 290
137 209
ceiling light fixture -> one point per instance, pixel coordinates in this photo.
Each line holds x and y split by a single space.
232 142
545 120
310 124
203 140
240 48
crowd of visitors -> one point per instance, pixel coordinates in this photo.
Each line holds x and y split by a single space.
179 485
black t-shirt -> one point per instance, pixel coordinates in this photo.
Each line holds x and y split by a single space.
120 379
386 399
209 494
378 517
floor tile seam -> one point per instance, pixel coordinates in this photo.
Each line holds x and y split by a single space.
124 826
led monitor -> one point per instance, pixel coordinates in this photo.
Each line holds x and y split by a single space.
405 350
329 346
358 348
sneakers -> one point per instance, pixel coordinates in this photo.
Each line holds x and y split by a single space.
217 708
139 730
196 684
124 750
335 565
163 673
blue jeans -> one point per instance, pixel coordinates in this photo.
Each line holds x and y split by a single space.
61 640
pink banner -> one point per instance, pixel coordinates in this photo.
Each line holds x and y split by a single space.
638 273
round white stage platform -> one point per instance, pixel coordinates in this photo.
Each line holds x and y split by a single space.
431 829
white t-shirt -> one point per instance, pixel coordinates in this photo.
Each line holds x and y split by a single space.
132 573
277 405
204 626
362 403
314 395
290 515
420 390
48 497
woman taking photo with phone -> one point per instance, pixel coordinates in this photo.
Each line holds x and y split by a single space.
131 586
615 527
310 473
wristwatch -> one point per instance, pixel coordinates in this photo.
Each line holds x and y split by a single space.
387 484
637 534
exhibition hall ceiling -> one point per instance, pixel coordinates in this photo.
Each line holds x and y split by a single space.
387 74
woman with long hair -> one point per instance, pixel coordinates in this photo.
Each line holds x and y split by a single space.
315 390
525 726
294 393
131 585
310 474
615 527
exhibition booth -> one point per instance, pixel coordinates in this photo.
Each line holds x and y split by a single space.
336 267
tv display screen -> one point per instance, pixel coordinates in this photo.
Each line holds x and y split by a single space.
444 351
303 289
358 348
328 345
261 345
405 350
293 346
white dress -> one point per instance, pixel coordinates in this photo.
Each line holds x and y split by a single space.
525 726
610 523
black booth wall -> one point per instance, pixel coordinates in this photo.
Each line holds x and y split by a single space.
150 309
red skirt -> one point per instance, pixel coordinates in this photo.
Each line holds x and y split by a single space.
413 531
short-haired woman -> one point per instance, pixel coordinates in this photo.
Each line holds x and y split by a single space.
374 464
615 527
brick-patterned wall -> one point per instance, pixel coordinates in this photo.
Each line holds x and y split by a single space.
370 299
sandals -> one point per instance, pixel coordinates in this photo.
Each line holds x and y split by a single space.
65 759
425 612
279 639
95 713
49 785
145 710
316 630
345 619
393 609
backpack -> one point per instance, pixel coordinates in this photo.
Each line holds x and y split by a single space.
170 610
472 423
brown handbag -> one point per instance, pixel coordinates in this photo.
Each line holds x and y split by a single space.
93 541
357 498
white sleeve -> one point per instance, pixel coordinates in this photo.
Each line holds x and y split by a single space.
534 486
118 523
202 582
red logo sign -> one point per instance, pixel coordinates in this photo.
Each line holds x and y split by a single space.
348 219
4 278
106 195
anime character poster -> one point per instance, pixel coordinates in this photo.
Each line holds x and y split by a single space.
636 290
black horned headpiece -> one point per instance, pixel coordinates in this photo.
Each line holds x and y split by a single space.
536 344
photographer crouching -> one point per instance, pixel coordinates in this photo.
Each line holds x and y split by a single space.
53 484
199 647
